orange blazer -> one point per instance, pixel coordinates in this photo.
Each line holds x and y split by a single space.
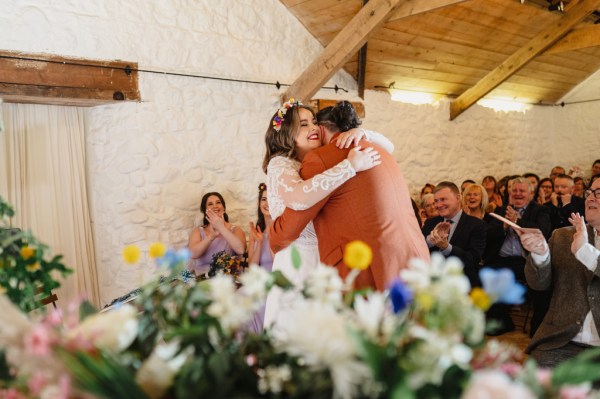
374 206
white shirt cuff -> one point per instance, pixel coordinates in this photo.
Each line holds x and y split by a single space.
539 260
447 251
588 255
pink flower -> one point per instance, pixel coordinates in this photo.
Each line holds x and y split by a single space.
38 340
54 318
37 382
512 369
544 377
574 391
494 384
11 393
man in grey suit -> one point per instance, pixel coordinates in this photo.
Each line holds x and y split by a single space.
569 264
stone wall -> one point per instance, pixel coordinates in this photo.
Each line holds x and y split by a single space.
150 162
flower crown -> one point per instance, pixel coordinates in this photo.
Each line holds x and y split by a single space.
262 187
278 119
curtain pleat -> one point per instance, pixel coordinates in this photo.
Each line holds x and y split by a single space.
43 173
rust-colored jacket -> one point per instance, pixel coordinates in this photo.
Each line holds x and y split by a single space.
374 206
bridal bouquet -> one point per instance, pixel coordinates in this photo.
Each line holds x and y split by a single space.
225 263
423 338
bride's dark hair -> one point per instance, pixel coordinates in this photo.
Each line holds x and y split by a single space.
341 117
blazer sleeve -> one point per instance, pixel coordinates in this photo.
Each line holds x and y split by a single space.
472 253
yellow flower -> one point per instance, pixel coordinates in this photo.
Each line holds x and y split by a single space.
480 299
2 290
33 267
27 252
157 250
131 254
358 255
425 301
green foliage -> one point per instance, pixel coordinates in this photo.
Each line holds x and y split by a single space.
26 275
584 367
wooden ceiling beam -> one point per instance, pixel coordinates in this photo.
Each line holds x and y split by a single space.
352 37
51 79
414 7
553 32
588 36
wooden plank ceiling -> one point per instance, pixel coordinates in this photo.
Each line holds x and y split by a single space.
449 50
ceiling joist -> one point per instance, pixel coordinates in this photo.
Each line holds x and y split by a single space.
586 37
51 79
352 37
551 34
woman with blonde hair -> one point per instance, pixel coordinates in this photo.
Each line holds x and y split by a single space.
475 201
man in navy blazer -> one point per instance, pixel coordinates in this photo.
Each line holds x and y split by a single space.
454 233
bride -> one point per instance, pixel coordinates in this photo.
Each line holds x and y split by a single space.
292 133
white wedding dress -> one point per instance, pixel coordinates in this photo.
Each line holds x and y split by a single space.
285 188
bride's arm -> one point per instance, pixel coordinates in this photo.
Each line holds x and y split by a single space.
286 185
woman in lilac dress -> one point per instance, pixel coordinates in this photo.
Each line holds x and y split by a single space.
215 235
259 252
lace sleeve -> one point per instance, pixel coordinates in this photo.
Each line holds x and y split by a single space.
380 140
287 189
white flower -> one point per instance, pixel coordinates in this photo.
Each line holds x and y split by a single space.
420 274
254 282
272 378
158 372
370 312
230 307
114 330
316 332
325 285
491 384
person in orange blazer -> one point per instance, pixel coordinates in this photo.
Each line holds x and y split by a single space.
373 207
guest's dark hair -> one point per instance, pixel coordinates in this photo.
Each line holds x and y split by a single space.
492 178
536 177
593 179
446 184
539 187
564 176
260 222
203 207
342 117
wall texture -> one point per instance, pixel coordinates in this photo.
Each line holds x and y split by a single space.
150 162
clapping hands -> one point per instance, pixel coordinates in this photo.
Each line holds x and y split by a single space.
217 222
439 235
580 238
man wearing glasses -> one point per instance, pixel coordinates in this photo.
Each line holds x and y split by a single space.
568 265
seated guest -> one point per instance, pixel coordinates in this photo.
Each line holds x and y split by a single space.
544 191
427 189
578 187
569 264
596 167
259 252
562 202
475 201
491 188
454 233
557 170
215 235
504 249
466 184
428 210
534 179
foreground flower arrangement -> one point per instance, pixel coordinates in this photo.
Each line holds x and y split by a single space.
423 338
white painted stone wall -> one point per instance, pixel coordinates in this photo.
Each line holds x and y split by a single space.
149 163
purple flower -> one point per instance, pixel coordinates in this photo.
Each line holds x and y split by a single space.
400 295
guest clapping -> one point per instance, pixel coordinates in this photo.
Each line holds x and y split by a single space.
215 235
259 252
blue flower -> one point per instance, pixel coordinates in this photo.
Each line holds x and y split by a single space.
170 259
183 255
501 286
400 295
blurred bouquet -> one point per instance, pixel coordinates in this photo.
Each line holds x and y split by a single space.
225 263
423 338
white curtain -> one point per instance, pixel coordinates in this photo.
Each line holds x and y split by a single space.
42 174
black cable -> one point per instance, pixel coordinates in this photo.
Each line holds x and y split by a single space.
127 69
